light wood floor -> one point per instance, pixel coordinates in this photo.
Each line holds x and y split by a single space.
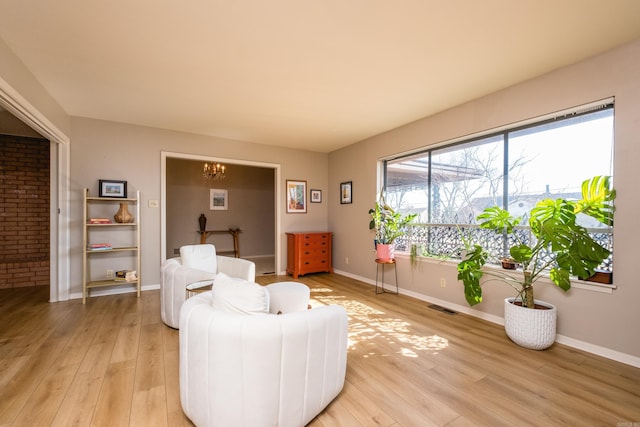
113 362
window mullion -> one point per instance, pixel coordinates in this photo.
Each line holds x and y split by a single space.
505 169
505 188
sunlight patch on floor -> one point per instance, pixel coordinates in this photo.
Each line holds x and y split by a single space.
367 323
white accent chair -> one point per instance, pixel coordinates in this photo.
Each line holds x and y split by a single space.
196 262
259 369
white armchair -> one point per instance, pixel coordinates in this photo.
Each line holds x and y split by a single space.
261 369
196 262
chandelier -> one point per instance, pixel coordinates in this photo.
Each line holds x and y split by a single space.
214 171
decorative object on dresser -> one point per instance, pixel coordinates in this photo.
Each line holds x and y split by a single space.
309 253
113 242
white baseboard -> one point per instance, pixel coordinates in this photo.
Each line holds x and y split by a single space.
570 342
599 350
353 276
258 256
114 291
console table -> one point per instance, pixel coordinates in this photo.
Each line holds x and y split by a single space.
232 231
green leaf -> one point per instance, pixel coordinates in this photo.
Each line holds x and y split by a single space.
597 199
387 223
561 278
498 219
521 253
583 257
549 213
470 273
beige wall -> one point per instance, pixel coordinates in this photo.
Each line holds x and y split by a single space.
595 318
101 149
250 207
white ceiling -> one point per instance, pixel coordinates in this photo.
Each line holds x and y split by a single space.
309 74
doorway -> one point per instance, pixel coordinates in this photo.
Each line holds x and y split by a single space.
12 104
26 193
250 193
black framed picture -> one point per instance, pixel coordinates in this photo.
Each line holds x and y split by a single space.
316 196
346 192
112 188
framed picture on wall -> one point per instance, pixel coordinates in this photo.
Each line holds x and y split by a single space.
218 199
316 196
296 196
112 188
346 192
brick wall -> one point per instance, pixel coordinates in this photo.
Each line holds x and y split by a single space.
24 212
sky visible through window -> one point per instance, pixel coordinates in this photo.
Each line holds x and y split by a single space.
548 160
563 157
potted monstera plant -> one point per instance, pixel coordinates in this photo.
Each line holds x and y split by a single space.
560 249
388 225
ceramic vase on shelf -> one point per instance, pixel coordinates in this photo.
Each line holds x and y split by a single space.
123 215
202 222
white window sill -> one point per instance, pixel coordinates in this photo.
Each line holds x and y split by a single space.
575 283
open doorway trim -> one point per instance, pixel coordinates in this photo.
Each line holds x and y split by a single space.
59 262
163 194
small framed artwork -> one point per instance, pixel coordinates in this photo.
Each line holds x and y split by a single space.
112 188
346 192
316 196
296 196
218 199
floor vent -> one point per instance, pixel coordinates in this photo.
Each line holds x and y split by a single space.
442 309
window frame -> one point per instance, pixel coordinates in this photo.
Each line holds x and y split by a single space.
503 132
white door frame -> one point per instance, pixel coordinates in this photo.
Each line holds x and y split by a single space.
59 260
163 194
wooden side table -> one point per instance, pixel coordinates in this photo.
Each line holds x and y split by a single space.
380 265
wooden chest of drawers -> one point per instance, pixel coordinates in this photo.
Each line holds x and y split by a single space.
308 253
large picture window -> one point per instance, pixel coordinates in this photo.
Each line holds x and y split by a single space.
449 186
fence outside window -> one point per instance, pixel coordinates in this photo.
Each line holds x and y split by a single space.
448 241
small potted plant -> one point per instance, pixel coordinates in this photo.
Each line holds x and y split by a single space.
508 263
388 225
573 253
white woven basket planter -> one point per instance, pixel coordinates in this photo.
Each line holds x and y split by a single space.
530 328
